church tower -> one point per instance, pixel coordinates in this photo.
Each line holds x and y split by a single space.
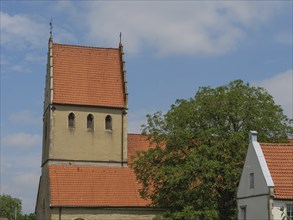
86 148
85 106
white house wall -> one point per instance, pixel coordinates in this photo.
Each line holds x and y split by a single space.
256 208
255 198
277 205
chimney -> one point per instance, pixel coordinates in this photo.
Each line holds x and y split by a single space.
252 136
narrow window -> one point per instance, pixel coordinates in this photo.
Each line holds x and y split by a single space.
71 120
251 178
243 212
108 122
90 122
290 211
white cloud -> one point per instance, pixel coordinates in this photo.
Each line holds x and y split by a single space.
280 87
188 27
21 140
24 186
21 31
25 117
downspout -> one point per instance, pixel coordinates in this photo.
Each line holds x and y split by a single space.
124 112
60 213
122 139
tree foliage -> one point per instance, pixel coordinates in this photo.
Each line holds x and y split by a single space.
11 208
205 138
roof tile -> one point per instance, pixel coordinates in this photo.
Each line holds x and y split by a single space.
137 142
279 158
87 76
94 186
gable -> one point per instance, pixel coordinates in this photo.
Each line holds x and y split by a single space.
254 164
279 158
88 76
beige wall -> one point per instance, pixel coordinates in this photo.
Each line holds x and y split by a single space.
43 201
83 144
104 213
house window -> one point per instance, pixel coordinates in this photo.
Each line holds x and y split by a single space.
251 179
290 211
90 122
243 212
108 122
71 120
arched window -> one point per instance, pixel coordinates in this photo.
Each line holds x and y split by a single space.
108 122
90 122
71 120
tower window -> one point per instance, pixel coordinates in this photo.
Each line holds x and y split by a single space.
90 122
108 122
71 120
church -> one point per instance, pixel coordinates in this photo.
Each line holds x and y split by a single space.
86 148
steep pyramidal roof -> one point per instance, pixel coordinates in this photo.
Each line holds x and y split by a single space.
88 76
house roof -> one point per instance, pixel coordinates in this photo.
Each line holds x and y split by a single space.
137 142
93 186
88 76
279 158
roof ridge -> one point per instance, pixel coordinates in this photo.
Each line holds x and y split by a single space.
85 46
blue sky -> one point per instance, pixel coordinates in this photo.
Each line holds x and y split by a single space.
172 48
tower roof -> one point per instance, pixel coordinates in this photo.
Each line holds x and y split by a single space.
88 76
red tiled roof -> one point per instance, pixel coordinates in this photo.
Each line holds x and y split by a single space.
137 142
87 76
279 158
93 186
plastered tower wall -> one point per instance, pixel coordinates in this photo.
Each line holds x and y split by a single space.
83 144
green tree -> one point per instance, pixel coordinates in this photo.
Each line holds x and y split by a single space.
205 138
30 216
11 208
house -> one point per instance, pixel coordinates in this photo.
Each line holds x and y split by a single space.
265 190
86 148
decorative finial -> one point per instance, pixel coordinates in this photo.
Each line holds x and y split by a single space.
120 37
51 27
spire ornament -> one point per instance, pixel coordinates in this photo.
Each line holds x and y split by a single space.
120 36
51 27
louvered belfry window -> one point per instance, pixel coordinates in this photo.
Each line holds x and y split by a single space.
71 120
108 122
90 122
